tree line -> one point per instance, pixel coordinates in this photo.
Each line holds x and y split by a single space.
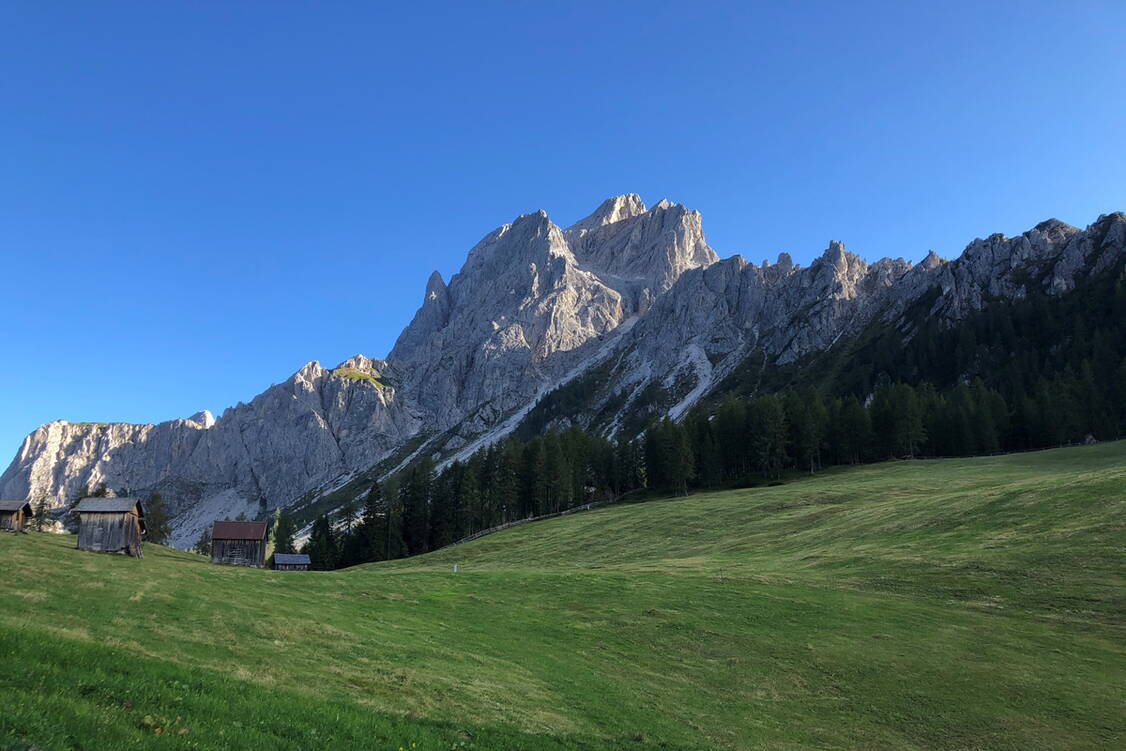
737 443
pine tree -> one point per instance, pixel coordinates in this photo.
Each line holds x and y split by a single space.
370 532
507 484
1120 389
558 485
444 502
627 474
766 422
39 513
710 473
71 518
321 547
414 500
394 545
470 504
533 479
732 437
855 432
157 528
806 418
285 529
203 544
682 468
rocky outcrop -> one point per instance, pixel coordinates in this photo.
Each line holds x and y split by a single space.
294 437
534 300
712 318
635 291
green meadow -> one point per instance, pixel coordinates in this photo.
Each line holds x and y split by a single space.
971 603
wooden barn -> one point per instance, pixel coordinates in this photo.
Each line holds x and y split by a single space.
111 525
239 543
291 562
14 515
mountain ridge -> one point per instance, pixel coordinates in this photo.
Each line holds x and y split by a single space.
633 289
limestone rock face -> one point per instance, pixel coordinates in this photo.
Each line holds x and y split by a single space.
713 317
293 437
533 300
534 306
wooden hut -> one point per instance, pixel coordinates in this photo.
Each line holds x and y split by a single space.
111 525
291 562
14 515
239 543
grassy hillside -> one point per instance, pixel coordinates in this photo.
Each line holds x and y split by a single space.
942 604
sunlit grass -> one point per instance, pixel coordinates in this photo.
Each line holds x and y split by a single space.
941 604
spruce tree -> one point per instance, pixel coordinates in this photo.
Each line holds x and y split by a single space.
39 514
471 517
285 529
71 518
203 544
682 468
157 528
371 532
766 422
414 501
321 546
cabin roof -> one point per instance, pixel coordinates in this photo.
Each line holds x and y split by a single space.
238 531
14 505
109 506
291 559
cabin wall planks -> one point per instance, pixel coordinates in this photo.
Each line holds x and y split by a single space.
110 533
239 552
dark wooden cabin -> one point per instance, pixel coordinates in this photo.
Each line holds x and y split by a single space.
111 525
291 562
239 543
14 515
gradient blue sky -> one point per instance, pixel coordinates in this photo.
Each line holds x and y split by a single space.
196 198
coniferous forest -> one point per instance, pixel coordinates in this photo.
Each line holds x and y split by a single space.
1038 372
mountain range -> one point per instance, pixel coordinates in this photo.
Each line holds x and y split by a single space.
629 308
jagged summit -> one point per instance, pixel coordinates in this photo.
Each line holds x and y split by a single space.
1053 223
932 261
203 418
361 364
614 209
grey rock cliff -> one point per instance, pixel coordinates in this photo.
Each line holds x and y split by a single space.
713 317
534 300
293 437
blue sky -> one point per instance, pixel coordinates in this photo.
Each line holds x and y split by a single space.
196 198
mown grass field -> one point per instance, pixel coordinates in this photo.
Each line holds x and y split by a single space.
975 603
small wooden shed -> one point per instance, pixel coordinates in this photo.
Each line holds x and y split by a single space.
239 543
111 525
14 515
291 562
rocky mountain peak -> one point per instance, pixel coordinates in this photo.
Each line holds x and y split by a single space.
203 418
309 371
837 257
932 261
614 209
435 285
648 249
1052 224
362 364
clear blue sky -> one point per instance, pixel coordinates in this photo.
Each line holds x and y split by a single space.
196 198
